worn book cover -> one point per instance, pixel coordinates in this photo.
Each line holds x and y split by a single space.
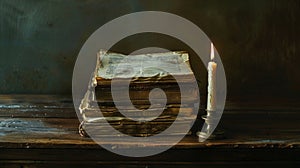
138 75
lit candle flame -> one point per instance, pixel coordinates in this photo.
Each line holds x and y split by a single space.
212 51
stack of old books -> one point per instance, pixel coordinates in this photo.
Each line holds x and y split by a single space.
140 95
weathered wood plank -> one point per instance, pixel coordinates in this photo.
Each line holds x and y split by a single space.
51 132
61 106
246 126
137 164
183 156
37 106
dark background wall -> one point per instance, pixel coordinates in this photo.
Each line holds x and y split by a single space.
258 41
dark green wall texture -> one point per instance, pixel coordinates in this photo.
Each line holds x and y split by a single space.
258 41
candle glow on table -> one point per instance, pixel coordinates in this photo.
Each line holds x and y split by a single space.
212 72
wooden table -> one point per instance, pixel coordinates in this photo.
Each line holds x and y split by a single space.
42 131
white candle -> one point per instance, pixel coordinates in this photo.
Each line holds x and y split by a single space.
212 72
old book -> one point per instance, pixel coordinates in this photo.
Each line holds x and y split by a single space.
145 72
142 92
138 75
158 67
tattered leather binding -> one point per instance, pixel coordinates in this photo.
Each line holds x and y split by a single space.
138 75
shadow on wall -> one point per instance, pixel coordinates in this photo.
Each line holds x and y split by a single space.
257 41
